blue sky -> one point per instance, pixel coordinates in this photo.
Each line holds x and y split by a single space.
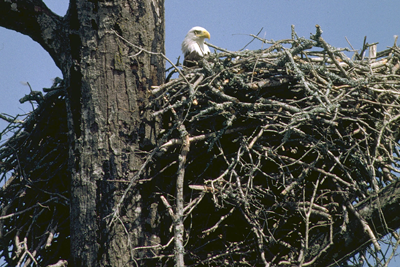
229 23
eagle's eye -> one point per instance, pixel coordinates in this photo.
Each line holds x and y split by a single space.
197 32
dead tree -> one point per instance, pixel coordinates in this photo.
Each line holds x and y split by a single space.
73 184
286 156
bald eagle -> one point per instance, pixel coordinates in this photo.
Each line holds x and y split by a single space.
193 46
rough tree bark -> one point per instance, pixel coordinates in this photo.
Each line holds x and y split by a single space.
106 83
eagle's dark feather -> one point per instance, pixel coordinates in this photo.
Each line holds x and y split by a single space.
191 59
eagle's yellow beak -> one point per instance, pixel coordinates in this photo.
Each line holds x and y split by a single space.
205 34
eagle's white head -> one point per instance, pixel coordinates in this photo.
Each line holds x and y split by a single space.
193 46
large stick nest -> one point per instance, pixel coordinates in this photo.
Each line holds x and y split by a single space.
283 142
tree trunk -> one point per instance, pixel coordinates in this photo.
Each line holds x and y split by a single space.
107 82
107 93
